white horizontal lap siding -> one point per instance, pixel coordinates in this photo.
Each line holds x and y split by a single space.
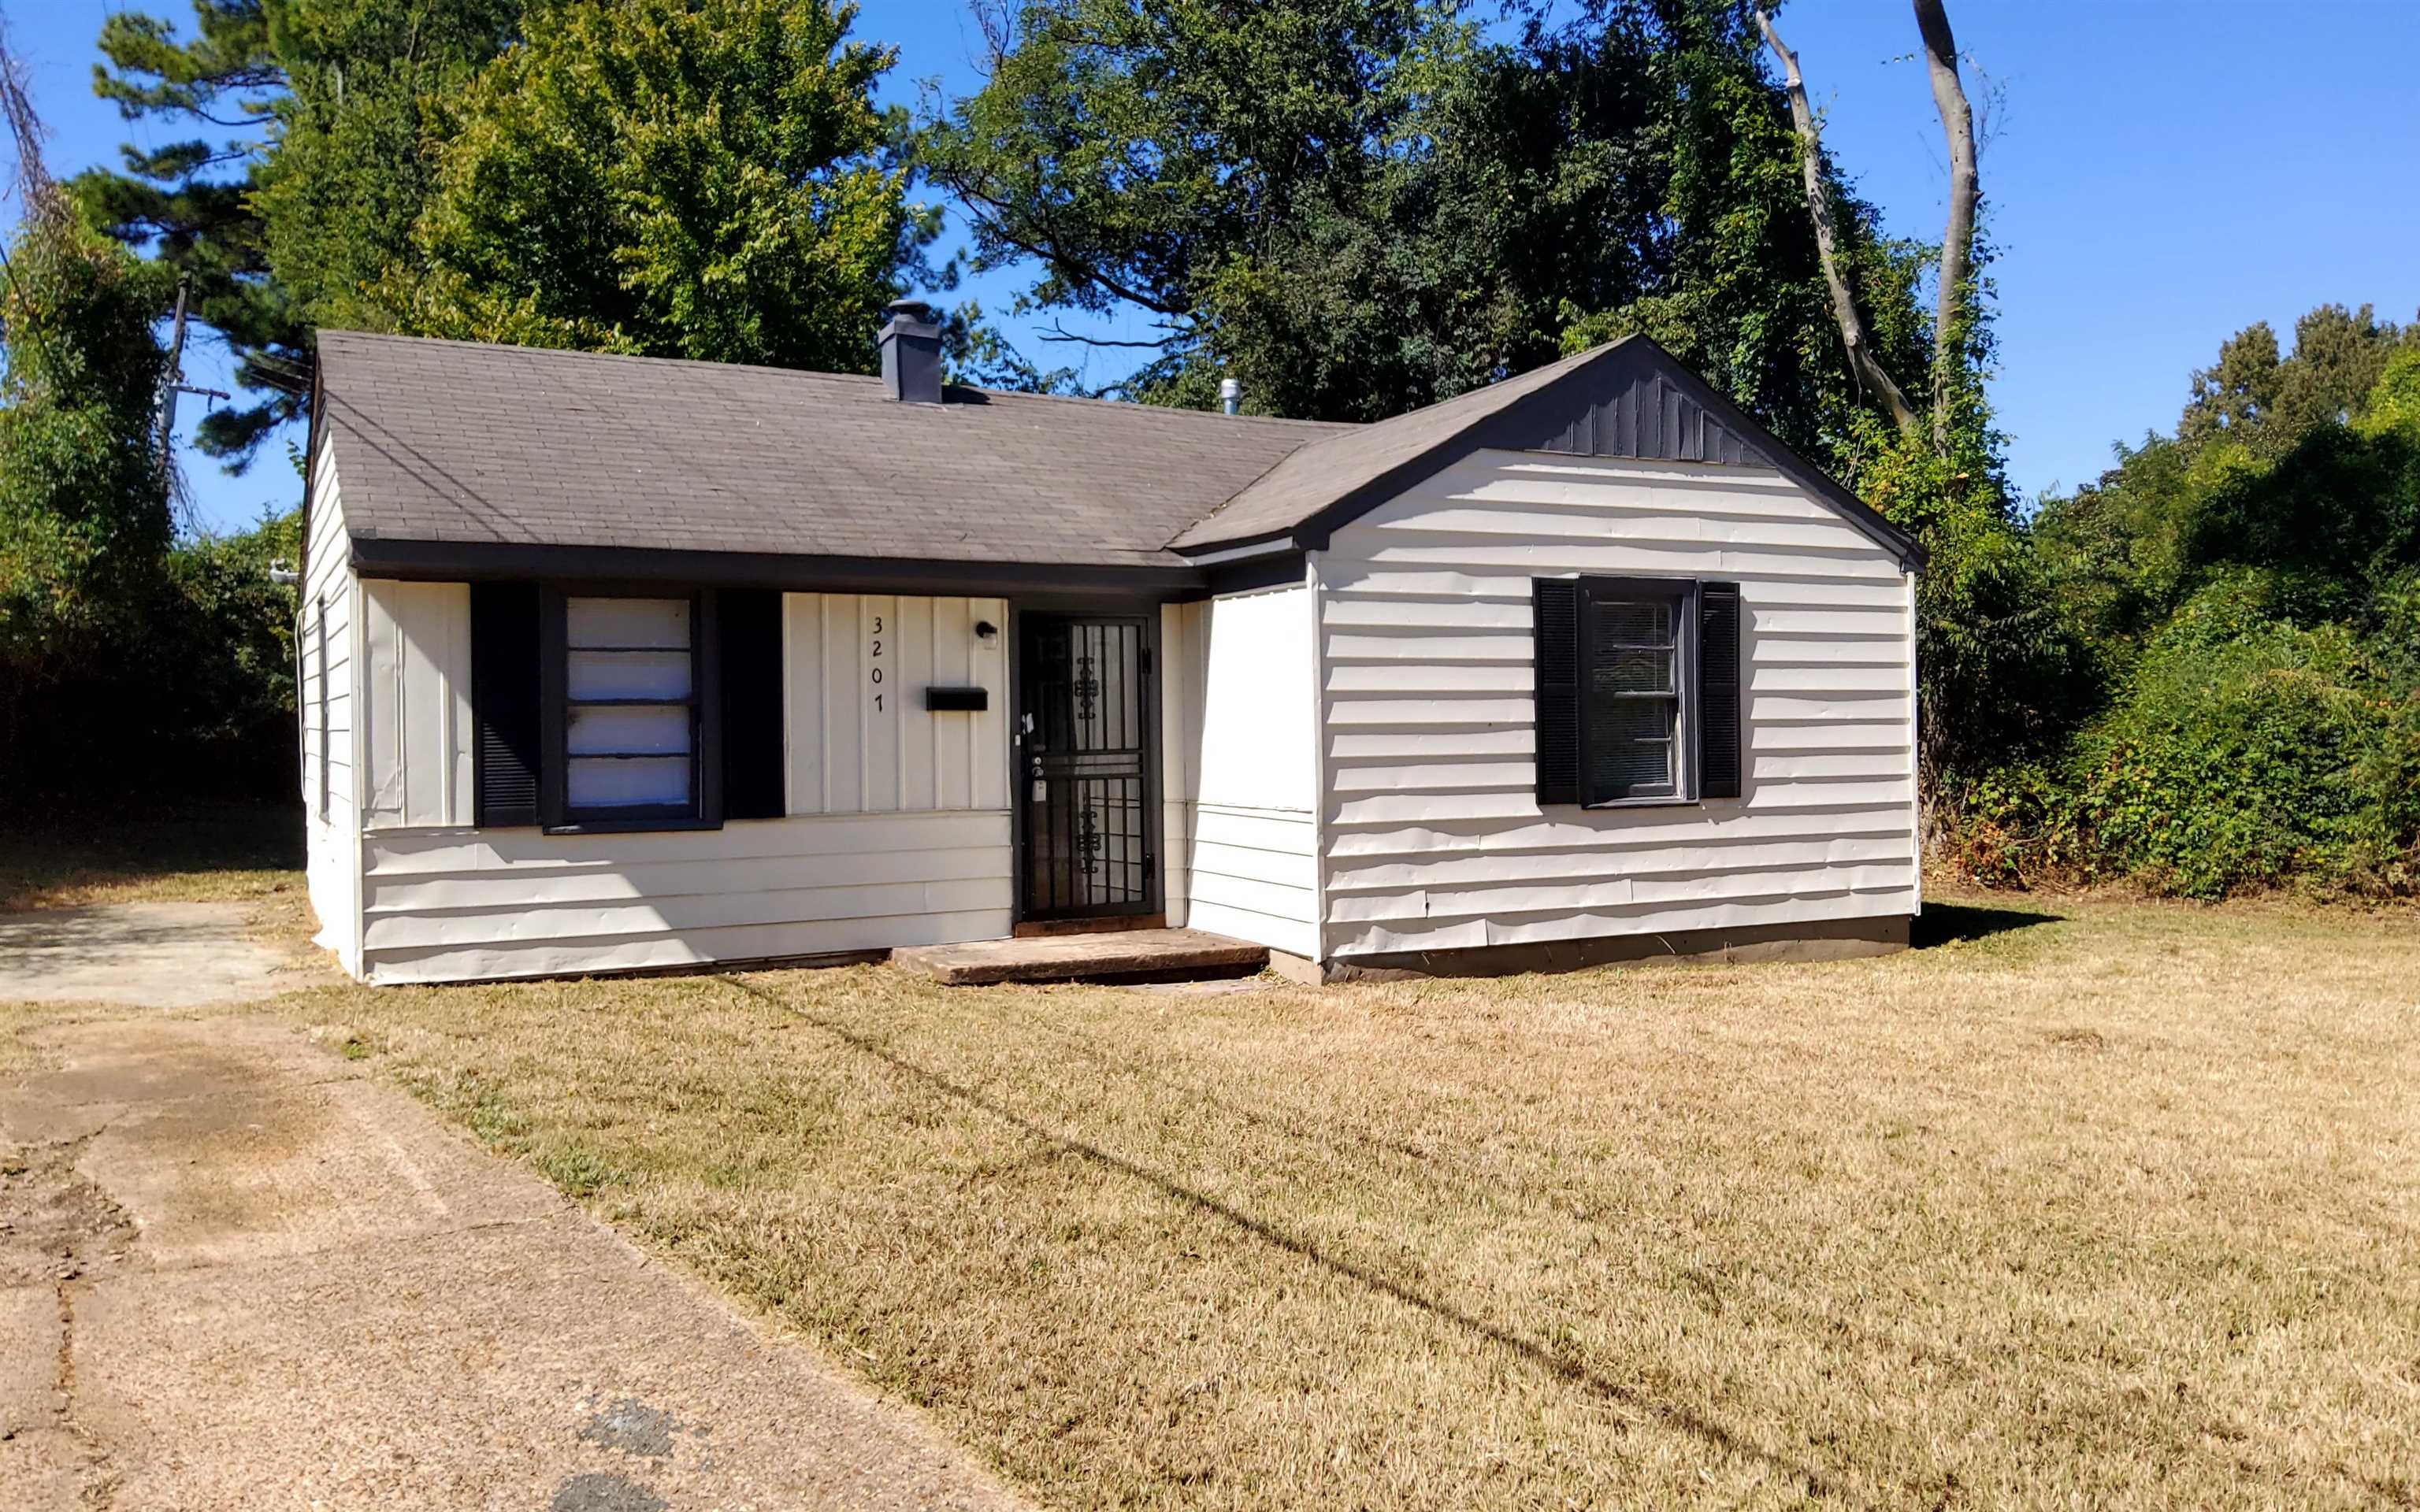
331 850
1431 836
451 904
1241 766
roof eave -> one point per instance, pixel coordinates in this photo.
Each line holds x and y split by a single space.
427 561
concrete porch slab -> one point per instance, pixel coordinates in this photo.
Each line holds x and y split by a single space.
1124 955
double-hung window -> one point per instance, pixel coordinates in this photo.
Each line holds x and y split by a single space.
1631 725
1637 690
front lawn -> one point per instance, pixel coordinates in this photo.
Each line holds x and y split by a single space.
232 852
2113 1208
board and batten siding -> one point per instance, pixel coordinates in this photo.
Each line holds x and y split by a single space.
1432 835
326 623
1238 768
860 740
416 733
898 830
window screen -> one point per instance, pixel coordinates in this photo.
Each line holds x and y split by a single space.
631 706
1631 650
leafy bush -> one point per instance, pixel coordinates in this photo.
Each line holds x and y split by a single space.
2246 751
2249 594
188 697
2250 750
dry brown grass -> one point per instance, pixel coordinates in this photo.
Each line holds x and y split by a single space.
2112 1209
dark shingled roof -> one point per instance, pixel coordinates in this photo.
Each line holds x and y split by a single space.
460 443
1314 477
457 441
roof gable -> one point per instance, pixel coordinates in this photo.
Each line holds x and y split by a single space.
460 446
1628 398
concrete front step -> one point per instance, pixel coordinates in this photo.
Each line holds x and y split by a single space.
1124 955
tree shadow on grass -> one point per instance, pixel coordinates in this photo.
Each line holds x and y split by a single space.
44 854
1952 923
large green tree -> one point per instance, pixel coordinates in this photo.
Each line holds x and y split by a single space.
311 159
1154 156
1357 209
700 178
84 492
85 523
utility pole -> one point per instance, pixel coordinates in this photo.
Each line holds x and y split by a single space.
172 378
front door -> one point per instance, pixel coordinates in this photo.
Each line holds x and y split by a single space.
1083 758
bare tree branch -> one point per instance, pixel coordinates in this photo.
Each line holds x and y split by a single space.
1059 332
1965 192
991 213
1862 364
26 133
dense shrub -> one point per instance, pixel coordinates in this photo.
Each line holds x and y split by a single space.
2246 751
2248 590
189 697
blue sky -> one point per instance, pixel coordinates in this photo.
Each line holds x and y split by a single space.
2157 175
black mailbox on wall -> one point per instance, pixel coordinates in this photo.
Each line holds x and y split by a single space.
957 700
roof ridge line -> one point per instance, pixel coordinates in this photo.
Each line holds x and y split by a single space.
574 353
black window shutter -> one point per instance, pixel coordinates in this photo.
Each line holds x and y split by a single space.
505 702
753 782
1554 604
1718 690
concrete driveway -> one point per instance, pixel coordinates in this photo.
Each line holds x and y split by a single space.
235 1272
152 955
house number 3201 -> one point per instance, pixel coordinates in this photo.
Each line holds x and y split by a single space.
873 660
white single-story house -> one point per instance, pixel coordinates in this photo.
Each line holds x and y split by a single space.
617 663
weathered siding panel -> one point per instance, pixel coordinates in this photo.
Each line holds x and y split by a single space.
324 691
416 731
1431 835
1181 652
860 740
1240 766
450 904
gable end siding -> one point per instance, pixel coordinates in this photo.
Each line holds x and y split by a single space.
1432 834
1635 411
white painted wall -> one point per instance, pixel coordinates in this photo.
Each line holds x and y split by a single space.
1239 771
860 740
898 832
332 834
453 905
1431 836
416 730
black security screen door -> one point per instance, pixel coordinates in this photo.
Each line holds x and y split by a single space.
1083 756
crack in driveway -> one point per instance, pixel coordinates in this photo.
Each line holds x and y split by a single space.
244 1263
56 1226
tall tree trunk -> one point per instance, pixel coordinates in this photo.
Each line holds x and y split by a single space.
1965 192
1862 365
